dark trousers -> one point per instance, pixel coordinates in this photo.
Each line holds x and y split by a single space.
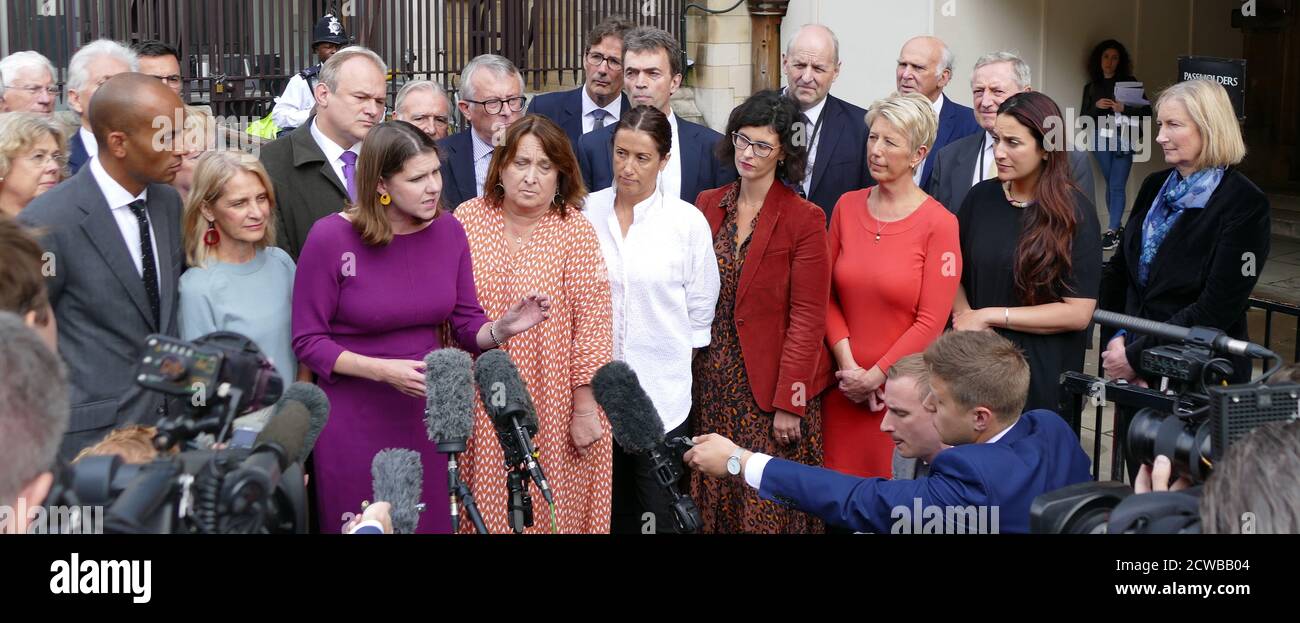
640 504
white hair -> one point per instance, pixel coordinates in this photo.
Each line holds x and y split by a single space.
329 73
18 61
418 85
1024 77
946 58
495 65
78 67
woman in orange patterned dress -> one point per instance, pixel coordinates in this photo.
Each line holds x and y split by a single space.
525 235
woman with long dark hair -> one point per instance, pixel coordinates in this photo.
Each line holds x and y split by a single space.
1114 127
1030 252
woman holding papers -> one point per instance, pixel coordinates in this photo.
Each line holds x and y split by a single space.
1113 107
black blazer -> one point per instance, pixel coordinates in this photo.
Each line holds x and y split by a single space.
565 109
1202 275
701 169
306 186
77 154
458 184
841 163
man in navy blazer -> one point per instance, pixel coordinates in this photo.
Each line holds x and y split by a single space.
925 67
834 130
1000 460
491 98
652 65
600 101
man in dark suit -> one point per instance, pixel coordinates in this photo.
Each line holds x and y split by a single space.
314 167
113 232
600 101
93 64
968 161
652 66
491 98
1000 460
834 130
925 67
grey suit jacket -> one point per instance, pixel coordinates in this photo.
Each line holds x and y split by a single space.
100 303
954 169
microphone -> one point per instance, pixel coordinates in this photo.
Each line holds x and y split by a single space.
317 404
449 418
399 480
511 409
638 429
248 489
1200 336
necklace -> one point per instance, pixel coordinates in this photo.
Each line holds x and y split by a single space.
1006 189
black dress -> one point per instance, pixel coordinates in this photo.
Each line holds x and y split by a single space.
990 233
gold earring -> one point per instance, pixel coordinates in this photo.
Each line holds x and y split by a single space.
385 199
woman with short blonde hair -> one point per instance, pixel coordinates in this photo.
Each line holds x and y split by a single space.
33 158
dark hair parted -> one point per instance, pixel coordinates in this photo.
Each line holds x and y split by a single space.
646 39
770 109
653 122
1043 256
384 153
1123 70
569 188
613 26
153 48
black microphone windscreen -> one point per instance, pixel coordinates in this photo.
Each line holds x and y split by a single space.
632 415
287 429
503 391
317 404
449 398
399 480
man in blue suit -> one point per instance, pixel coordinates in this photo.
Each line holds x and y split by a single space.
600 101
491 98
652 66
834 130
1000 460
925 67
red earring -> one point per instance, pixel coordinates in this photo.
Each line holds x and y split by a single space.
212 237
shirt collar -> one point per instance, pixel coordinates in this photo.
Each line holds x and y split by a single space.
816 111
114 194
328 147
88 141
613 108
937 105
1004 432
481 148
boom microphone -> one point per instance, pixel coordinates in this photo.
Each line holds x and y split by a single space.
449 418
511 409
399 480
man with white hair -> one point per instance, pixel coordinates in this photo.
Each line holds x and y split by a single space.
89 68
491 98
925 67
969 161
27 83
423 104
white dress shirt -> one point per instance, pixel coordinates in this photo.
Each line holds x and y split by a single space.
119 202
88 140
937 105
333 151
980 172
482 160
670 180
814 132
663 281
613 111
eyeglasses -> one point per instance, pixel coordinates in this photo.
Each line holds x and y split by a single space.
42 159
761 150
493 106
596 58
35 89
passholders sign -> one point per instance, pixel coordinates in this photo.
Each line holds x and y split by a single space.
1231 73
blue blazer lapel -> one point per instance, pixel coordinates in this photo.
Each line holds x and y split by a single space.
571 115
691 165
827 139
464 157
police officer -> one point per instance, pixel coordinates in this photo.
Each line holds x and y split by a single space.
294 106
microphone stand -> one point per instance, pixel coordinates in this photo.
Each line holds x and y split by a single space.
521 502
458 490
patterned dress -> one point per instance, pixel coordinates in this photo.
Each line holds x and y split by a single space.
562 259
724 404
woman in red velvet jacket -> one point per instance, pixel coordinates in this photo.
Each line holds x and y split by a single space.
760 377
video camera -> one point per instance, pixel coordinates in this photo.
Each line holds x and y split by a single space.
1191 417
242 490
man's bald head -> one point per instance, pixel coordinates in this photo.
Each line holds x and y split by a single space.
129 103
815 37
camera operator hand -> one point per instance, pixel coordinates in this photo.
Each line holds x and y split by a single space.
378 511
1115 364
710 454
1156 477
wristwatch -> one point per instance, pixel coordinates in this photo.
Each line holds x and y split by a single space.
733 462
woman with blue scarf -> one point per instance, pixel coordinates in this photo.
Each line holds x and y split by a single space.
1198 234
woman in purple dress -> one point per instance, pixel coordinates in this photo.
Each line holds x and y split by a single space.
373 286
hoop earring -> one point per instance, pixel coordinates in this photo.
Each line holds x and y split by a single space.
501 188
559 200
212 237
385 199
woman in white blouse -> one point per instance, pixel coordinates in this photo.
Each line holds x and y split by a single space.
663 279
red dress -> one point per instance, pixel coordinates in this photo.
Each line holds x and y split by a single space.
890 298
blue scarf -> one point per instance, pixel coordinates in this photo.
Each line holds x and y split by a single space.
1177 195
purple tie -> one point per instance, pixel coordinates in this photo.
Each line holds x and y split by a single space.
349 159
